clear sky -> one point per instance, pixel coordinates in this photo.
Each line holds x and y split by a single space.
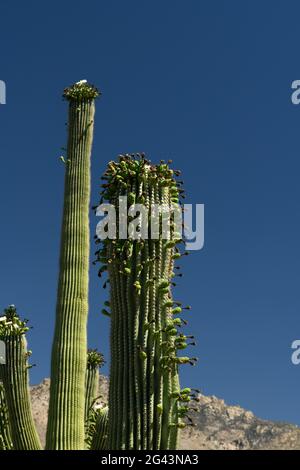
206 83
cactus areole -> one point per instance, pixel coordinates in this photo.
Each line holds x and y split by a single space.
68 367
146 405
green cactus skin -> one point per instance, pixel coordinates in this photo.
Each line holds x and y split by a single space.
14 376
99 437
5 430
68 367
94 362
144 394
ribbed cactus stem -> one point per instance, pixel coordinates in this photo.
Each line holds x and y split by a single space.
14 376
99 439
68 367
144 394
94 362
5 429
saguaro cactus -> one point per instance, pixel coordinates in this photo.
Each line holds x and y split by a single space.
100 430
14 376
94 361
5 430
145 401
68 368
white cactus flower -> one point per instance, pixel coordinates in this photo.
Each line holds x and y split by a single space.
98 406
81 82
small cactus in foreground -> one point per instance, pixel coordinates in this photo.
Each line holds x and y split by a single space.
145 409
14 376
5 429
95 360
99 429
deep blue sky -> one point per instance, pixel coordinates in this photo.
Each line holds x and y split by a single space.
206 83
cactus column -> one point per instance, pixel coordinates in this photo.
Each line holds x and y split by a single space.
68 367
5 432
95 360
99 438
145 401
14 375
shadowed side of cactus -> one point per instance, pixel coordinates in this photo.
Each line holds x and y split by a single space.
99 435
66 429
95 360
145 401
5 430
14 376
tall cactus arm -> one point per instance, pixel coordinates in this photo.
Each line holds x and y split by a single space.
14 376
94 362
145 410
5 430
65 428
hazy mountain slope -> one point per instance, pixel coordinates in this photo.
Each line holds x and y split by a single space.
217 425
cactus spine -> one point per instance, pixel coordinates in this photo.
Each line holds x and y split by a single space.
68 367
144 399
14 376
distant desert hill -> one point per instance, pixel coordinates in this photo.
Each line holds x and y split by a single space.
217 426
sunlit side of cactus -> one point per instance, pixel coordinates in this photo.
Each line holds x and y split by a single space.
66 422
146 405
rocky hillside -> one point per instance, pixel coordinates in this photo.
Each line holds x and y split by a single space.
217 425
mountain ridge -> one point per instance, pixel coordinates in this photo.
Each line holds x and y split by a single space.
217 426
